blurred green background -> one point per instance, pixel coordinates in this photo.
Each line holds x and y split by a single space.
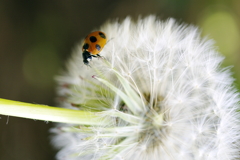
37 36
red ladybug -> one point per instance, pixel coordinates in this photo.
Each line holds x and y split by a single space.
93 44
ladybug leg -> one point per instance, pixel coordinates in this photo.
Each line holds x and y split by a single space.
99 56
94 56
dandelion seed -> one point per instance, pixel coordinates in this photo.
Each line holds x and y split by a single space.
160 92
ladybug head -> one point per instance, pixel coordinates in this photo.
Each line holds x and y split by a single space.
86 57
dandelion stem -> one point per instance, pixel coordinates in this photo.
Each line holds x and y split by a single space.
47 113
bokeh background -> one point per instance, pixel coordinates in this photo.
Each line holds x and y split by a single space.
37 37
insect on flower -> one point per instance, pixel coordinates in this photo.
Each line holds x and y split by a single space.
93 44
159 95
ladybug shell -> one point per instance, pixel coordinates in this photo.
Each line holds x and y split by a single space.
94 42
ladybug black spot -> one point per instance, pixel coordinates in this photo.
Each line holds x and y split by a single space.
85 46
93 39
98 47
102 35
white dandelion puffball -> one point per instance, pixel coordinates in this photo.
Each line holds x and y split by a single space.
159 93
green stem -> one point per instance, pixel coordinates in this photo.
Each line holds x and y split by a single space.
47 113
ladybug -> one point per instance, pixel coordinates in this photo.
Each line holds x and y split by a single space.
93 44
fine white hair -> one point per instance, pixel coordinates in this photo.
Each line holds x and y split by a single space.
164 90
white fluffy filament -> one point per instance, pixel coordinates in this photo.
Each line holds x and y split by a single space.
164 90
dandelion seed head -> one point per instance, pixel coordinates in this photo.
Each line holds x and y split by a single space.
162 92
